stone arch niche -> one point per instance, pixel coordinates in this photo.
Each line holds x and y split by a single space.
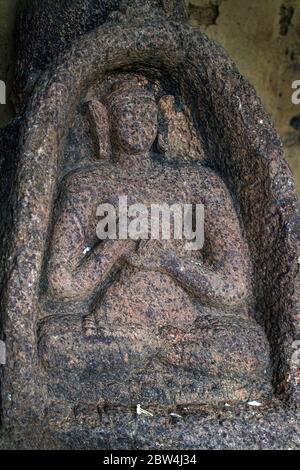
242 146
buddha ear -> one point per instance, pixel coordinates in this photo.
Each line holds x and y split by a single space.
165 116
99 123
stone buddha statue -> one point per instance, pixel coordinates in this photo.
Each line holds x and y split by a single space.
162 324
123 100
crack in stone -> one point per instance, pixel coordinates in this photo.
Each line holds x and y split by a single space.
286 16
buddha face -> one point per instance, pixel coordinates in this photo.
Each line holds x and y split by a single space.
134 121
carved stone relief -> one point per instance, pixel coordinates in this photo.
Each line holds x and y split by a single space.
95 327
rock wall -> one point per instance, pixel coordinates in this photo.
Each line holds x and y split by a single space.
7 25
263 38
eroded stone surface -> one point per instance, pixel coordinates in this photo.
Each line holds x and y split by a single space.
94 326
157 332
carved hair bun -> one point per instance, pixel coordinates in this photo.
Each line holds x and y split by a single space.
127 86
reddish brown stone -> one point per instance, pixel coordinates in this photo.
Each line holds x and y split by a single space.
150 109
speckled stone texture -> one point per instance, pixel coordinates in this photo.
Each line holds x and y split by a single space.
94 328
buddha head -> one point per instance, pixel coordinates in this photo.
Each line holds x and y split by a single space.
133 117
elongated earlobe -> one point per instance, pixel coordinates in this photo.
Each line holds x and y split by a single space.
99 123
166 112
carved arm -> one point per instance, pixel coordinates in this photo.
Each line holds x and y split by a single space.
223 279
74 269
